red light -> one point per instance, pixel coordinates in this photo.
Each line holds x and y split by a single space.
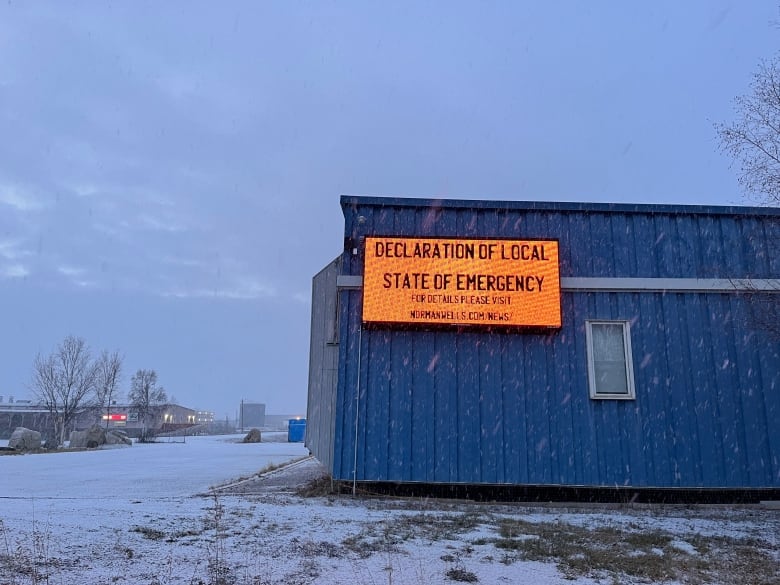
115 417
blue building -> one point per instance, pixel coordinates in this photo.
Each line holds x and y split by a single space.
437 358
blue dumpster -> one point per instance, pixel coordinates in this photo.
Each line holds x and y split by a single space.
296 430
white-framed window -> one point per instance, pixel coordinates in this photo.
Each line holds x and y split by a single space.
610 373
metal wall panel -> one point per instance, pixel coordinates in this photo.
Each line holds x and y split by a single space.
323 364
472 406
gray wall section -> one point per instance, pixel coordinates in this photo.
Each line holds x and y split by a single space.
323 364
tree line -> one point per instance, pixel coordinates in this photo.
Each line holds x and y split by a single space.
70 380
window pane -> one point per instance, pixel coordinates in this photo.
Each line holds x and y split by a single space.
611 378
608 342
609 358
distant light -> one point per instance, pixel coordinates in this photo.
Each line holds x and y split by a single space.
115 417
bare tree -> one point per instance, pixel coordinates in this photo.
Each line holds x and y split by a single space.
145 395
62 382
753 139
109 374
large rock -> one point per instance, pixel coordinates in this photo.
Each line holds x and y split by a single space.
23 439
78 440
117 437
93 437
96 436
252 436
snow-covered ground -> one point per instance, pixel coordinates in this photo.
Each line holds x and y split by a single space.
145 515
146 470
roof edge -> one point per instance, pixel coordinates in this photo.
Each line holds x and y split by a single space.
351 200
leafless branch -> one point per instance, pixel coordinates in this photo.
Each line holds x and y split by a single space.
145 395
62 382
109 374
753 139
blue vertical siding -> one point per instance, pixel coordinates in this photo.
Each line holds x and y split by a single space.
470 406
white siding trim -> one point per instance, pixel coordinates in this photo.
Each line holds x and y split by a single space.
618 284
347 281
670 284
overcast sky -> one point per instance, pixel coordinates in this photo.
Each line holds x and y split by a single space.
170 171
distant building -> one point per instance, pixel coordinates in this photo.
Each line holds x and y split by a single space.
251 415
204 417
21 414
164 418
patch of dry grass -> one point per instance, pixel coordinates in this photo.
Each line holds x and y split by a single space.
653 556
608 551
317 487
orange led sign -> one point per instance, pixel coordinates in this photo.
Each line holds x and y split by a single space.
438 281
